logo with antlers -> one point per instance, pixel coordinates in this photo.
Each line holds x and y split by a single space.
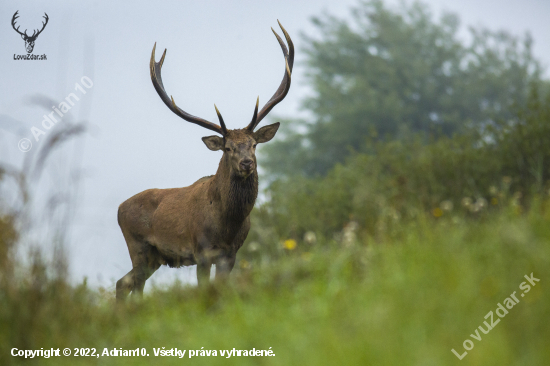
29 40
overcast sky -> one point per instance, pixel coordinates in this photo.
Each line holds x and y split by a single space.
218 52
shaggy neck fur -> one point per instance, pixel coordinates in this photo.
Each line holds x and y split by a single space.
236 194
241 197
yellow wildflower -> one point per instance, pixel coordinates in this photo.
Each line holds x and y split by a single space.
290 244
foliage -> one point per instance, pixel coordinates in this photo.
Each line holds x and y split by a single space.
470 172
395 72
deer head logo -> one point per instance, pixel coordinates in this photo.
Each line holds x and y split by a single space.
29 40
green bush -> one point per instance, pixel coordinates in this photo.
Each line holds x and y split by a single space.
467 174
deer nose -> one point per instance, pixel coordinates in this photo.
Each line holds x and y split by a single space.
247 164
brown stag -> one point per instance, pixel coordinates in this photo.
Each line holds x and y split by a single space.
207 222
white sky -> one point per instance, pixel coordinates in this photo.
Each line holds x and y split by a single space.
218 52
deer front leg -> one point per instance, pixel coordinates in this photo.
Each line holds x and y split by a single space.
224 266
204 257
204 265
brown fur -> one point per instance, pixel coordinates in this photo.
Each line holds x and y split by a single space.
204 223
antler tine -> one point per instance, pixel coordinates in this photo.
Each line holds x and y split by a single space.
44 24
282 91
222 123
15 16
36 32
155 68
255 116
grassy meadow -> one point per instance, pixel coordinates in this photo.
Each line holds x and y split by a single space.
406 298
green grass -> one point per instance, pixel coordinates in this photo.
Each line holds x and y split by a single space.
405 299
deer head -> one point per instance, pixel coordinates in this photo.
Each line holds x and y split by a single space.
29 40
239 145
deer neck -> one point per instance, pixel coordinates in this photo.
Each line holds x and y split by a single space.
236 194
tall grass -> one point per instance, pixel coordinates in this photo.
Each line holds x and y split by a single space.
406 300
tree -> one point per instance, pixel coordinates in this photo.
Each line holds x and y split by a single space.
392 72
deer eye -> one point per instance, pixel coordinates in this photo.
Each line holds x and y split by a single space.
254 146
228 149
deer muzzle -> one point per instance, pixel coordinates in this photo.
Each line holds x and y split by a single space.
247 165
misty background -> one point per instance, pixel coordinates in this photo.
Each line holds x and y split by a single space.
218 52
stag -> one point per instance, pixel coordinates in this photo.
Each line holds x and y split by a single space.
207 222
29 40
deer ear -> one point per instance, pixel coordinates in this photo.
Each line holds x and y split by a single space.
23 36
214 143
266 133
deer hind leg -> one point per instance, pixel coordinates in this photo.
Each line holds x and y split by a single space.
145 261
134 281
142 274
124 286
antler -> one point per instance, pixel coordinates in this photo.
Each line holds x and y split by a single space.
170 103
15 16
282 91
280 94
43 26
34 34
